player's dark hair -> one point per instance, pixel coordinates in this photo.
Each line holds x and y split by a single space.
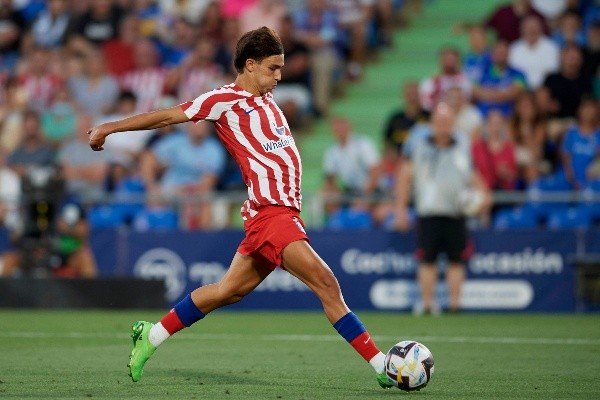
256 45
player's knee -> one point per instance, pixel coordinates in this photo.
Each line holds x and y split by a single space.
230 295
327 284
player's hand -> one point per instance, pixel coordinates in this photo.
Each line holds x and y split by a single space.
97 136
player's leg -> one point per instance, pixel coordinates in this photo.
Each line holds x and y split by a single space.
455 276
243 275
458 251
427 274
303 262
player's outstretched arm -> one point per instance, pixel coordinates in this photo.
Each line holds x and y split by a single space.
150 120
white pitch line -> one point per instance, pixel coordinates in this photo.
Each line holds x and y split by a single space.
309 338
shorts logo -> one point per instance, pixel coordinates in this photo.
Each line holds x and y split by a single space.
299 225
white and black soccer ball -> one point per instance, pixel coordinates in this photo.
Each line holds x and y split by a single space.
409 365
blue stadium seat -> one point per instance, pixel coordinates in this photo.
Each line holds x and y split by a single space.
105 216
128 194
550 184
517 218
155 219
573 217
348 218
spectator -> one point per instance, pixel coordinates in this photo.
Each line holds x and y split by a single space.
33 151
12 26
99 24
126 147
591 53
147 81
85 173
581 145
11 116
263 13
95 91
119 52
179 43
192 9
351 165
528 133
58 121
507 19
51 26
494 154
212 22
38 80
226 49
198 73
468 119
433 89
439 168
567 86
534 54
500 84
478 56
551 10
190 163
10 191
317 29
399 124
293 93
569 30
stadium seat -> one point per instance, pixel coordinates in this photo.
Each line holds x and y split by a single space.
128 194
537 190
572 218
105 216
155 219
515 218
348 218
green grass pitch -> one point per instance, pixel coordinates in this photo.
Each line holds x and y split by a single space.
265 355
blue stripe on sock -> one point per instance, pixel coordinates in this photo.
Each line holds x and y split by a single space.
187 311
349 327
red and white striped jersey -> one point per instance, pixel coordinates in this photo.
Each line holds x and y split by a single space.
257 135
148 85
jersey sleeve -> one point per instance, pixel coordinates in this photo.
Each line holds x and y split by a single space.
209 106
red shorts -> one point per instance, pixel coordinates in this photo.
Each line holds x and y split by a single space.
269 232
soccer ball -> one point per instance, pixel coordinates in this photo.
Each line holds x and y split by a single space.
409 365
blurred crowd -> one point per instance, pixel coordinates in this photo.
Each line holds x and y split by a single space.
67 65
524 101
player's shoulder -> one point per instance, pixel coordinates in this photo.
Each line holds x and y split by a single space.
229 92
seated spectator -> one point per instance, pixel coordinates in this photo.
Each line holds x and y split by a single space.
317 28
500 84
581 145
567 86
468 119
433 89
211 22
51 26
263 13
591 53
192 9
13 25
494 154
12 110
226 48
552 10
33 151
198 73
94 90
99 24
70 255
186 165
127 146
119 52
506 20
147 81
399 123
38 80
351 165
569 30
477 58
293 92
179 43
10 192
233 9
85 173
534 53
528 133
58 121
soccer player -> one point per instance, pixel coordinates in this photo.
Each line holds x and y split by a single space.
255 132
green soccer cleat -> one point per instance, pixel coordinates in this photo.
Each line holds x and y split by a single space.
384 381
142 349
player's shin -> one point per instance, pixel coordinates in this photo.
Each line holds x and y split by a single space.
355 333
183 315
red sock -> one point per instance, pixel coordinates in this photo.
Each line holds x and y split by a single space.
365 346
171 322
